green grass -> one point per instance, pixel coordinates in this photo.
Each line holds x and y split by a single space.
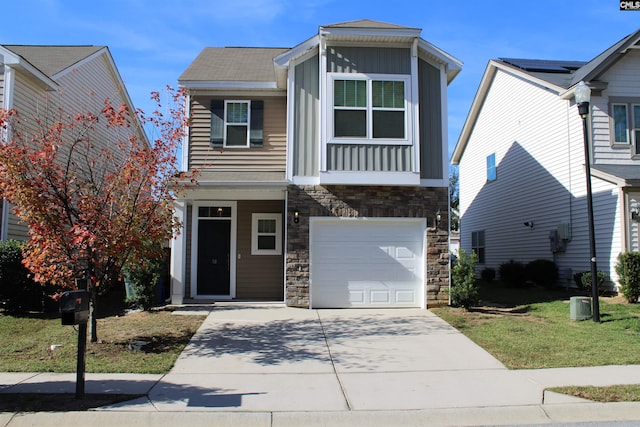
529 328
615 393
27 340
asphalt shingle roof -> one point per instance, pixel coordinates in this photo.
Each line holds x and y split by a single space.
233 64
53 59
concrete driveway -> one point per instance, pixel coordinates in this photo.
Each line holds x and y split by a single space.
253 357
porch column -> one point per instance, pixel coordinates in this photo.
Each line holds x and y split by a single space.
178 256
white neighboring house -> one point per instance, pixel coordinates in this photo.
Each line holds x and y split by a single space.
521 161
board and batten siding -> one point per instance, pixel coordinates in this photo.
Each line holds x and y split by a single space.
306 116
430 112
622 83
372 60
369 157
270 157
257 276
540 178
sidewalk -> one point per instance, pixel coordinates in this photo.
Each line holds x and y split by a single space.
269 365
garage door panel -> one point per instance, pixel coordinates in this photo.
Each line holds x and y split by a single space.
369 263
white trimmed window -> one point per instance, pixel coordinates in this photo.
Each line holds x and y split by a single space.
625 125
236 123
371 108
266 234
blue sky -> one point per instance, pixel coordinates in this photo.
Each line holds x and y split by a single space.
153 41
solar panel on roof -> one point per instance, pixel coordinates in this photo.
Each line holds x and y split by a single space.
545 66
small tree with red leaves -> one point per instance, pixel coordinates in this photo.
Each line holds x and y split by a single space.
94 192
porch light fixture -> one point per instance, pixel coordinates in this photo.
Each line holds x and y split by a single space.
582 96
635 214
296 216
528 224
438 218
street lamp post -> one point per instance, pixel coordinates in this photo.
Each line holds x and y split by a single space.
582 96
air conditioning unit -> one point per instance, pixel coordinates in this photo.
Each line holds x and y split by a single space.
580 308
564 231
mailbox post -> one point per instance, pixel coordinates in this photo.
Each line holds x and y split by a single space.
74 310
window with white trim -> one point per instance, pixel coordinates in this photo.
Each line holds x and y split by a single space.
236 123
266 234
369 107
625 125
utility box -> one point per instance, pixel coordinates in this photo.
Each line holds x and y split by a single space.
580 308
74 307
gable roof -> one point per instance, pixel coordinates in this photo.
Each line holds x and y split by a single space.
51 60
368 23
558 76
265 68
232 64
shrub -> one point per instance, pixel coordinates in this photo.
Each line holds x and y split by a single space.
18 291
628 270
488 274
513 274
583 279
141 281
543 272
464 289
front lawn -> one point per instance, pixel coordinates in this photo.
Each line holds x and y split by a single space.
531 328
39 343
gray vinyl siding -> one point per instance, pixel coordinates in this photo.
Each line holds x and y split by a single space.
306 138
379 60
369 158
430 94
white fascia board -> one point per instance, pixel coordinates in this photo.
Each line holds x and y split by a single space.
285 58
369 178
226 85
15 61
452 65
379 32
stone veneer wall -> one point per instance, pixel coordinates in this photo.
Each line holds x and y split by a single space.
367 201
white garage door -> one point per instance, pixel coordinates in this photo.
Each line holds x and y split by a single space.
367 262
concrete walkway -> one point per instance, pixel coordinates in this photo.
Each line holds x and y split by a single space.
269 365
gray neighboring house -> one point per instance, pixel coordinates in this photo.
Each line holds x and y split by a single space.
76 78
323 168
521 161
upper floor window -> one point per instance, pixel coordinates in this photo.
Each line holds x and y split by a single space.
369 108
491 167
625 118
236 123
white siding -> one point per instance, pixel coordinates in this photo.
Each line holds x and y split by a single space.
538 146
622 81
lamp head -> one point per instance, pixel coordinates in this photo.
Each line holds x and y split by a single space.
582 95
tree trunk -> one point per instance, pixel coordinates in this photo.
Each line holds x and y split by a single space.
93 322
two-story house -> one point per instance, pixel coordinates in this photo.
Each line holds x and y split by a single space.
35 80
521 156
323 171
